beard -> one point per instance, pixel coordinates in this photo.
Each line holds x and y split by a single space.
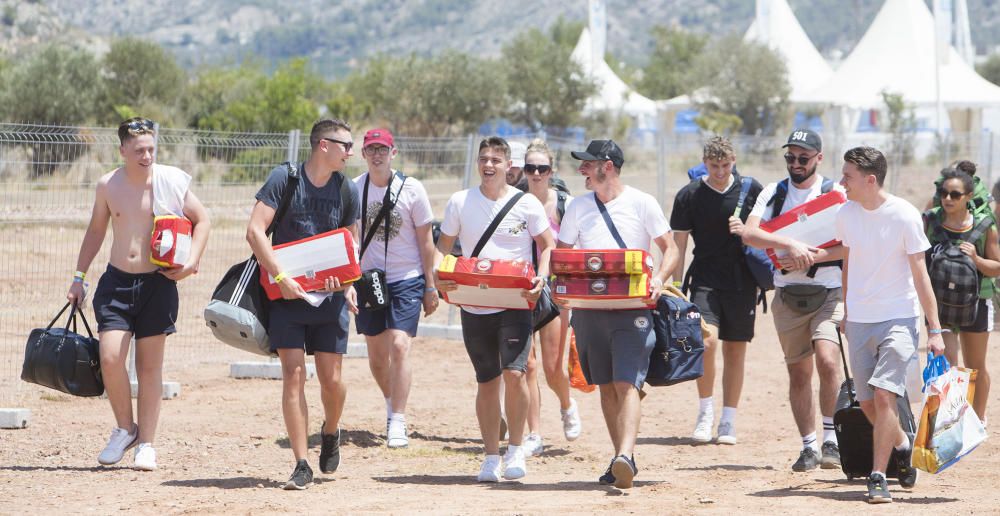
799 179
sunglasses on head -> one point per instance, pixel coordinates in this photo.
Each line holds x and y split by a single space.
140 125
954 194
802 159
541 169
347 145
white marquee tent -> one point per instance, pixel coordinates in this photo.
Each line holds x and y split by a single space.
777 27
612 92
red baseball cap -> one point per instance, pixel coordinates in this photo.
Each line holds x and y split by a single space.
379 136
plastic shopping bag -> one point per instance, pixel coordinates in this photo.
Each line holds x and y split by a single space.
949 429
576 378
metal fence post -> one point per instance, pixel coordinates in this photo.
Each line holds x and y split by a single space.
293 145
661 168
470 162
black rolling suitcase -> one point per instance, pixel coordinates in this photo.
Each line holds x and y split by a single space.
854 431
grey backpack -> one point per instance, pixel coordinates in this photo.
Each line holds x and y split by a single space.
954 276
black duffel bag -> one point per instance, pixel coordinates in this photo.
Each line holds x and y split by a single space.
677 355
63 360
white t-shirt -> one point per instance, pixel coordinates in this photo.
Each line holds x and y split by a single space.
828 276
412 209
636 215
879 284
469 213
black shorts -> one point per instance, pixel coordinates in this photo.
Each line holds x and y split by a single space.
983 322
732 311
143 304
295 324
497 341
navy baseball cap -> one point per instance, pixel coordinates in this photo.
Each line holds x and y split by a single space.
599 150
806 139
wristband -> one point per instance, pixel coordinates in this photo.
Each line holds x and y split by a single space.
656 283
430 289
280 276
676 284
937 331
79 275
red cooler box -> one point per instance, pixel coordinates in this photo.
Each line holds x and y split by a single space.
812 223
622 292
170 245
601 261
312 260
487 283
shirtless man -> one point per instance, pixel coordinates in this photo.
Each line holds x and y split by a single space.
135 297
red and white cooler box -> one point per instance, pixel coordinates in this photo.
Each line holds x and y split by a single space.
812 223
616 292
486 283
170 244
601 261
312 260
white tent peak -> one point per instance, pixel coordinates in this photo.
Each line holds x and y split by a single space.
807 70
896 54
612 92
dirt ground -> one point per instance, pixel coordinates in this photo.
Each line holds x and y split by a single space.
222 449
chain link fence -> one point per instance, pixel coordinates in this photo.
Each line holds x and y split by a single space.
48 173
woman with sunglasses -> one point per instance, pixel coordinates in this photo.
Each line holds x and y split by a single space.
552 337
954 222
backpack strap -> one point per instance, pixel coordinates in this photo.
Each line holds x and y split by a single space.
345 193
496 222
777 200
561 197
979 230
291 183
827 186
745 183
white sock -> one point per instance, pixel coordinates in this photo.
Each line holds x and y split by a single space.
829 434
905 445
809 441
388 408
398 416
511 450
705 405
728 415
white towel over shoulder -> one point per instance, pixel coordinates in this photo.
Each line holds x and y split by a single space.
170 187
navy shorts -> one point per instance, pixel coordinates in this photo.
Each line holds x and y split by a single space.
144 304
295 324
733 312
614 345
406 297
497 341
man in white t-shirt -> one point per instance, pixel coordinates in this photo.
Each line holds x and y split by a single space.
498 341
807 306
614 345
401 245
885 286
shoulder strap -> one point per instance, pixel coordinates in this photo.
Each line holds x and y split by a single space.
388 204
496 222
745 183
286 196
611 225
345 192
778 199
561 197
979 230
827 185
935 230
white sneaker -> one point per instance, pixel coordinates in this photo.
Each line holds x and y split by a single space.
397 434
727 433
513 465
120 441
703 428
145 457
572 426
532 445
490 470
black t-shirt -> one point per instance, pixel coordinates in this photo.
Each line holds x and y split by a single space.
718 255
312 210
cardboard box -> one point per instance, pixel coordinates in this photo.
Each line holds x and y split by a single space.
170 245
601 261
486 283
312 260
812 223
618 292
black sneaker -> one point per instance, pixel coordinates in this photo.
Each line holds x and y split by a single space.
301 477
831 456
329 453
907 474
624 470
807 460
878 489
607 478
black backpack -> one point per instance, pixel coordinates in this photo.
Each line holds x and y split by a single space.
954 277
778 201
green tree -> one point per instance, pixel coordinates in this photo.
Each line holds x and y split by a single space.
990 68
745 79
668 73
547 88
56 85
213 90
566 33
140 75
901 124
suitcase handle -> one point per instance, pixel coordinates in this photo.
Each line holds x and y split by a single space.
71 319
843 358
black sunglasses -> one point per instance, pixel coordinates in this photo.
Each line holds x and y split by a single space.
954 194
541 169
790 158
347 145
139 125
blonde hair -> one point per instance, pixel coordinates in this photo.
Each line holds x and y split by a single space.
718 148
539 145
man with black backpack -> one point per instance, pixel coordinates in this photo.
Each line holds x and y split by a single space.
807 306
324 199
711 210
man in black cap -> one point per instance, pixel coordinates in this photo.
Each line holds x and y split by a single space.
808 303
615 345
